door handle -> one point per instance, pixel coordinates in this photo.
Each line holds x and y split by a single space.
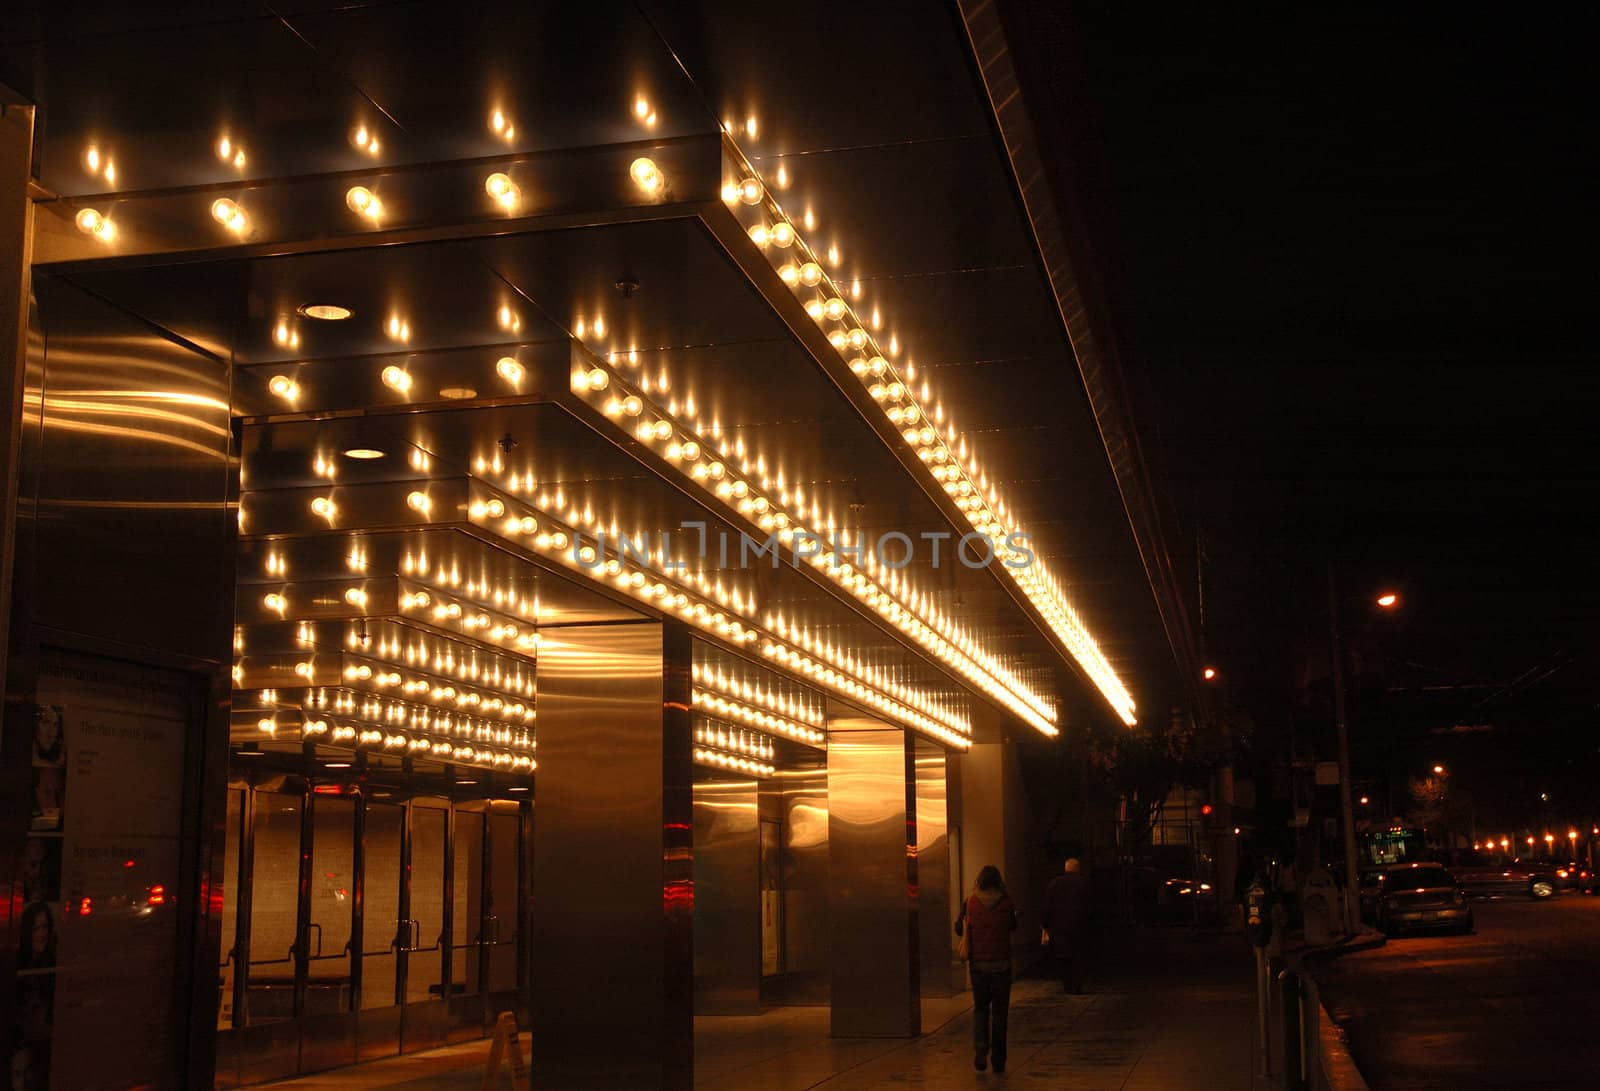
492 926
318 927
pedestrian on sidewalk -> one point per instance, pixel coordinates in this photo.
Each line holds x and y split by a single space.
1066 915
987 920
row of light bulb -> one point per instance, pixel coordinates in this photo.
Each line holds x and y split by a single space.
380 676
416 564
717 759
798 267
448 612
751 744
439 656
663 592
363 736
393 714
808 709
836 658
726 707
691 454
393 376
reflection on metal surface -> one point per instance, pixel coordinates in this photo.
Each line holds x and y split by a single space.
872 876
612 769
807 953
933 872
727 907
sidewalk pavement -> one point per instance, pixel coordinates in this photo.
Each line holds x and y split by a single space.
1168 1010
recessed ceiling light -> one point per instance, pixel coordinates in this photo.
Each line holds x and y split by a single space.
363 453
517 788
327 312
458 393
337 765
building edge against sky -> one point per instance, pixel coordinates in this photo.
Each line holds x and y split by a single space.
332 728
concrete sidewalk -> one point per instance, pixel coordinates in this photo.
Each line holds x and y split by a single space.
1167 1011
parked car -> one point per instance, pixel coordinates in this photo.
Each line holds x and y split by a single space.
1481 877
1420 896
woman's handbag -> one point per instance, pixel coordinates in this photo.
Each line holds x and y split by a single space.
963 948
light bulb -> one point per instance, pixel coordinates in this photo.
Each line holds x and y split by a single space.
598 379
789 274
275 602
284 387
751 191
810 274
496 508
646 175
632 405
503 190
91 222
323 506
834 308
229 215
363 202
510 370
815 309
760 235
396 378
355 596
782 234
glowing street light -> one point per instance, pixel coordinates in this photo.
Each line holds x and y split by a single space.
1388 600
1438 770
1209 673
1365 801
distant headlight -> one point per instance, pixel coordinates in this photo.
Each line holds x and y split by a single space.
1561 873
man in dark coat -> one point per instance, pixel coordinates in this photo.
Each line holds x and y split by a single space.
1066 914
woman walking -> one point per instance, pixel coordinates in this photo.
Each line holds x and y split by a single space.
989 917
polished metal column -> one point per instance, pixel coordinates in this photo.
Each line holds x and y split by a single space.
807 939
727 902
872 870
933 872
612 944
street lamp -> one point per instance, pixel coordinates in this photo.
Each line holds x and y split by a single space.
1365 801
1352 899
1209 673
1438 770
1572 838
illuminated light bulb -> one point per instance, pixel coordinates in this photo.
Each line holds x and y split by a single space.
229 215
761 235
91 222
838 340
751 191
396 378
877 365
418 501
646 175
363 202
224 152
597 379
715 470
815 309
497 122
275 602
505 192
632 405
91 159
284 387
355 596
323 506
663 429
691 451
858 337
782 234
789 274
835 309
730 193
510 370
810 274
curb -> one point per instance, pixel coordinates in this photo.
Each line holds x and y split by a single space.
1338 1067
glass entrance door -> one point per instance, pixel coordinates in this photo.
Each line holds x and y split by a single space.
384 935
327 1008
424 1019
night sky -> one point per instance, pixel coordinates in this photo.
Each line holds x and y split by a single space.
1345 256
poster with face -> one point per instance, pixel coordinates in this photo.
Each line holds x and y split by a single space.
49 796
49 735
37 938
41 870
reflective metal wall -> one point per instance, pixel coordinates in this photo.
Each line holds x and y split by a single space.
933 872
727 904
612 944
123 534
872 905
807 956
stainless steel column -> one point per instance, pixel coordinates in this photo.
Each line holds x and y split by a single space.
727 899
807 958
872 870
933 872
612 944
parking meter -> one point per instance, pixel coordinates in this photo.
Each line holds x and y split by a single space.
1258 921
